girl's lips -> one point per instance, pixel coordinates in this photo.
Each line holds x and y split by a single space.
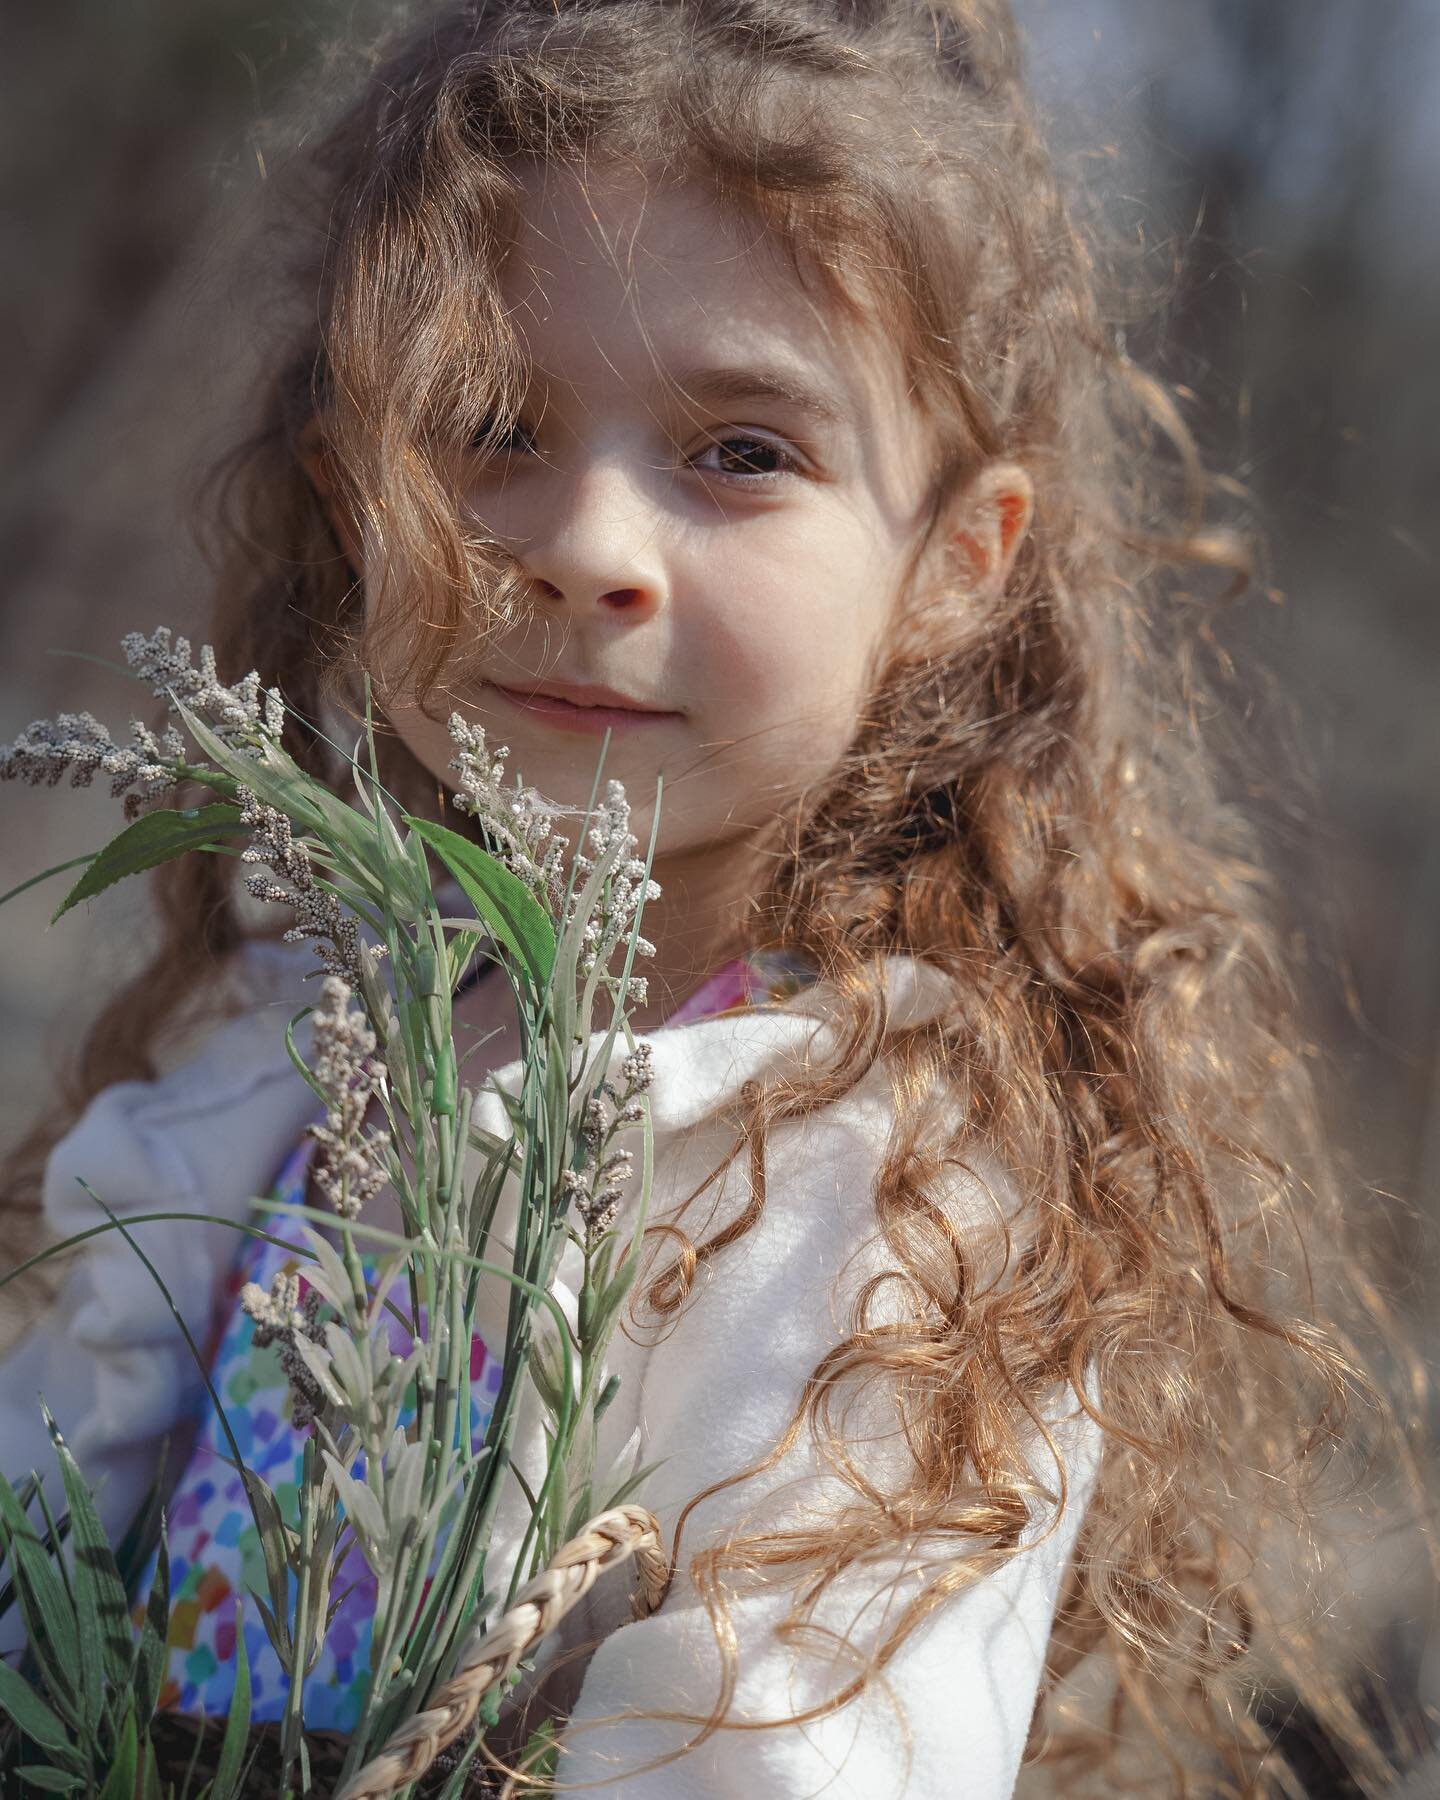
567 717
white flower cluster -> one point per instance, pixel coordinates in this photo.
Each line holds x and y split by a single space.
243 712
351 1167
319 913
80 744
624 892
518 819
596 1188
282 1317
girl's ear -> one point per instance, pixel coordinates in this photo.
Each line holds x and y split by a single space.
315 459
992 517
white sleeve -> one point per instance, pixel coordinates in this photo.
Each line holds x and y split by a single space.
717 1394
107 1354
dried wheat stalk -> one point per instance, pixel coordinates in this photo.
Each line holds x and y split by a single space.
611 1537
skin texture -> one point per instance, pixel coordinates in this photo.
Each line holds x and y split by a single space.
733 557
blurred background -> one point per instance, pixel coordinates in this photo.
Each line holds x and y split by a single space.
1278 155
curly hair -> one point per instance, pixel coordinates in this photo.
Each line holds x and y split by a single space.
1034 802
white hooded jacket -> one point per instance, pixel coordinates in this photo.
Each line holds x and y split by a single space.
949 1719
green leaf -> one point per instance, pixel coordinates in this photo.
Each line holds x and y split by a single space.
120 1782
196 1747
32 1715
610 1299
51 1781
627 1488
102 1610
143 1532
302 1067
153 839
544 1368
151 1655
215 779
56 1532
544 1747
274 777
149 1785
277 1632
275 1540
501 898
44 1604
228 1771
277 780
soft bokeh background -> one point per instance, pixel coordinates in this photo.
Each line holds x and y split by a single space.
1279 156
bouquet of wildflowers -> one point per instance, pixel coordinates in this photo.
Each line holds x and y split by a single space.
415 1500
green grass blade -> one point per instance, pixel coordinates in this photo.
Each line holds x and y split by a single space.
191 1766
33 1716
100 662
77 1238
102 1610
229 1769
143 1532
148 1787
44 1605
196 1355
277 780
215 779
303 1068
151 1654
50 1781
153 839
56 1532
120 1782
45 874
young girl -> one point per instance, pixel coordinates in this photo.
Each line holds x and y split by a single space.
730 374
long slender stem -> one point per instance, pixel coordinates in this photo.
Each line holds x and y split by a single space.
293 1725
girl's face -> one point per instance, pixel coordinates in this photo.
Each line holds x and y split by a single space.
716 493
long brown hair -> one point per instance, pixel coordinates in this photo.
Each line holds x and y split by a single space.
1033 802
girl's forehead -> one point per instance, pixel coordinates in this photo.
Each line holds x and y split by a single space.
610 273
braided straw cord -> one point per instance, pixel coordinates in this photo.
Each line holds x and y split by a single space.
611 1537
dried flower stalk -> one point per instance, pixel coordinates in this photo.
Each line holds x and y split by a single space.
282 1317
595 1189
78 744
351 1167
272 844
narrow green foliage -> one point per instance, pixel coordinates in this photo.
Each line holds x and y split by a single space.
120 1782
45 1607
499 897
149 1787
20 1702
154 838
485 1223
22 887
50 1781
144 1531
148 1672
544 1749
229 1771
101 1610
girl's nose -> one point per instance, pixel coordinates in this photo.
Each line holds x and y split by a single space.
619 599
597 548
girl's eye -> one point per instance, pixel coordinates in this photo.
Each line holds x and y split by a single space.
751 458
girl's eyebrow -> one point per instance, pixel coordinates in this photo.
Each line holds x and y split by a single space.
733 382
